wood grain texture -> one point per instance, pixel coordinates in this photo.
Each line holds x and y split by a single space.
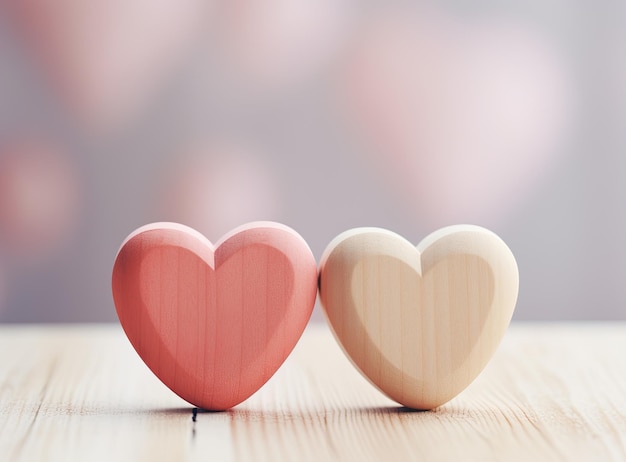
214 322
420 323
552 392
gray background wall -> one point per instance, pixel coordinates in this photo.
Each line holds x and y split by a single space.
239 125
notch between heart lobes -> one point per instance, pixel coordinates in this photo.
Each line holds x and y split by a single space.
419 323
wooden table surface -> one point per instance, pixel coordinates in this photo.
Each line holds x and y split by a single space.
552 392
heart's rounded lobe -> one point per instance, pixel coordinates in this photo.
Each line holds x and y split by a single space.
214 325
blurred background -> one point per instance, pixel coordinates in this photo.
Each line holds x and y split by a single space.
321 114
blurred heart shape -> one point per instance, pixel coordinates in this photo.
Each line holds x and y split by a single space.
463 116
277 44
41 198
107 57
193 187
3 288
420 323
214 323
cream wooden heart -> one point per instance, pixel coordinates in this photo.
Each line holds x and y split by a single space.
420 323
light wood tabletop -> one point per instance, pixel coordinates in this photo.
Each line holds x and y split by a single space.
80 392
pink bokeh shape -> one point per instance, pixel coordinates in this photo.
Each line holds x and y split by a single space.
40 199
217 186
4 287
108 56
274 45
464 115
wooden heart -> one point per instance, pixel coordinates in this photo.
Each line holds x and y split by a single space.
420 323
214 323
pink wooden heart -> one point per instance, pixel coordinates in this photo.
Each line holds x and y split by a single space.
214 322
